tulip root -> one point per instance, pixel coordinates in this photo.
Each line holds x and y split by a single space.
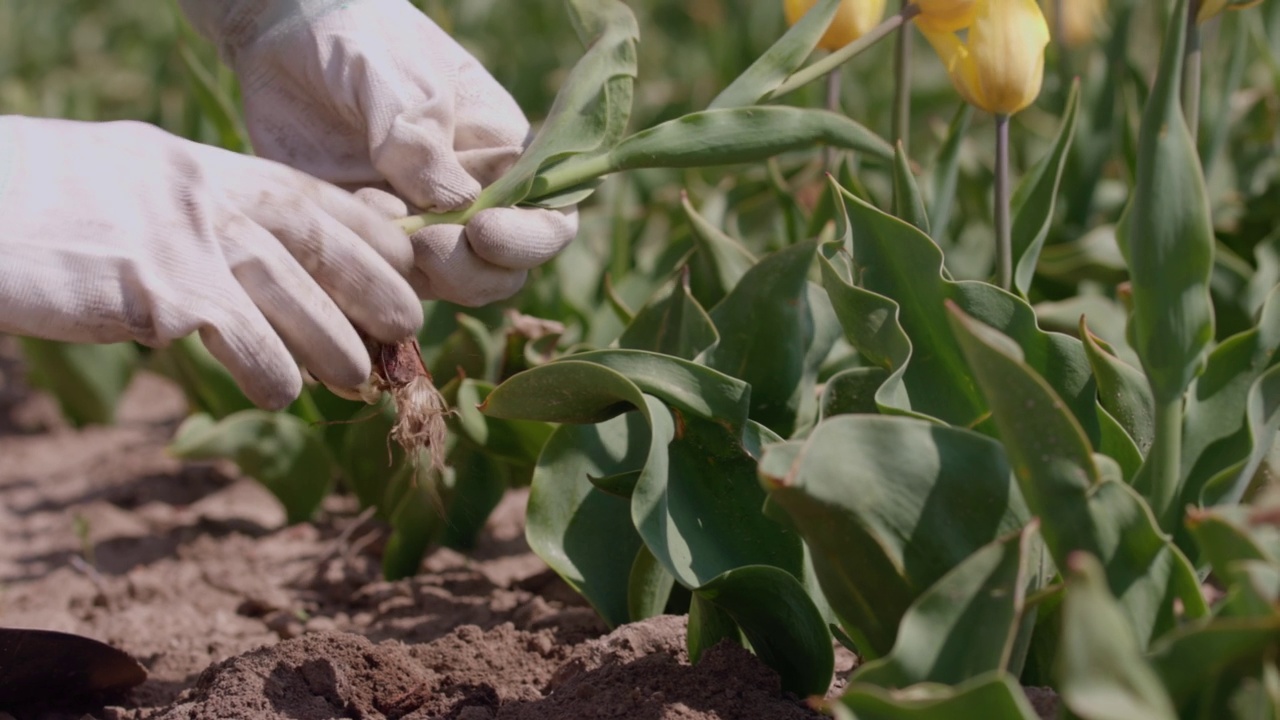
420 408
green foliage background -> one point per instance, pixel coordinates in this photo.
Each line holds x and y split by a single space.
793 407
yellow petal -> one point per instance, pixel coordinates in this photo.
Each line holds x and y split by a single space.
1080 18
1209 8
943 16
958 61
853 19
1007 41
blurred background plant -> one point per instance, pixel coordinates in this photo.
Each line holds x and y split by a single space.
659 307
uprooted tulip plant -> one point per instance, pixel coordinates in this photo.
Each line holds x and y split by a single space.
1049 471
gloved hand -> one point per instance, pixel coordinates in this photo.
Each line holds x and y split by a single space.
118 231
371 93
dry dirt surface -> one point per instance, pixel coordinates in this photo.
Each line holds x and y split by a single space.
190 569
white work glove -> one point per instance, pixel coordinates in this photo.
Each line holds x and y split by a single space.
373 94
120 231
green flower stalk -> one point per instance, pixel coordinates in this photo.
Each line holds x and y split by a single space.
902 86
997 67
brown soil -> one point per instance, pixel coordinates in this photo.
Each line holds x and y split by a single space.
188 568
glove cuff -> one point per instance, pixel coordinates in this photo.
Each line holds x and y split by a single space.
233 25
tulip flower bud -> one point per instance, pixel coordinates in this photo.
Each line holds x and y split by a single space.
999 66
945 16
1079 19
852 20
1209 8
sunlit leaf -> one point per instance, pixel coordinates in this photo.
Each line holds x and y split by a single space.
889 506
1079 510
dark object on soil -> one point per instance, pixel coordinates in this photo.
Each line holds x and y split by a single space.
53 668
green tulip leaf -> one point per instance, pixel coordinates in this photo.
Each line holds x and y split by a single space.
778 62
741 135
1079 511
367 457
994 696
778 618
693 388
708 625
775 329
895 315
1116 446
888 506
945 173
1103 674
1123 392
672 323
1036 197
206 382
622 485
565 391
719 261
1230 535
470 351
593 386
1253 590
1230 412
701 516
86 380
1200 664
852 391
1094 255
908 203
793 219
648 588
212 93
1166 235
591 109
515 441
480 480
280 451
415 522
583 534
967 623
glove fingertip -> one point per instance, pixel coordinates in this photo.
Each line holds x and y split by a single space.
454 272
419 161
521 238
262 367
386 204
444 187
400 316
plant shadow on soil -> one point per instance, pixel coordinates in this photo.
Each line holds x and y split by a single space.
190 569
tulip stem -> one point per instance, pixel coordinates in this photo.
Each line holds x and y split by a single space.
1165 460
821 67
1004 233
1192 71
567 174
902 83
831 155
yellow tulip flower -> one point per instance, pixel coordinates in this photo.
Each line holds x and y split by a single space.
1209 8
853 19
1079 19
945 16
999 65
